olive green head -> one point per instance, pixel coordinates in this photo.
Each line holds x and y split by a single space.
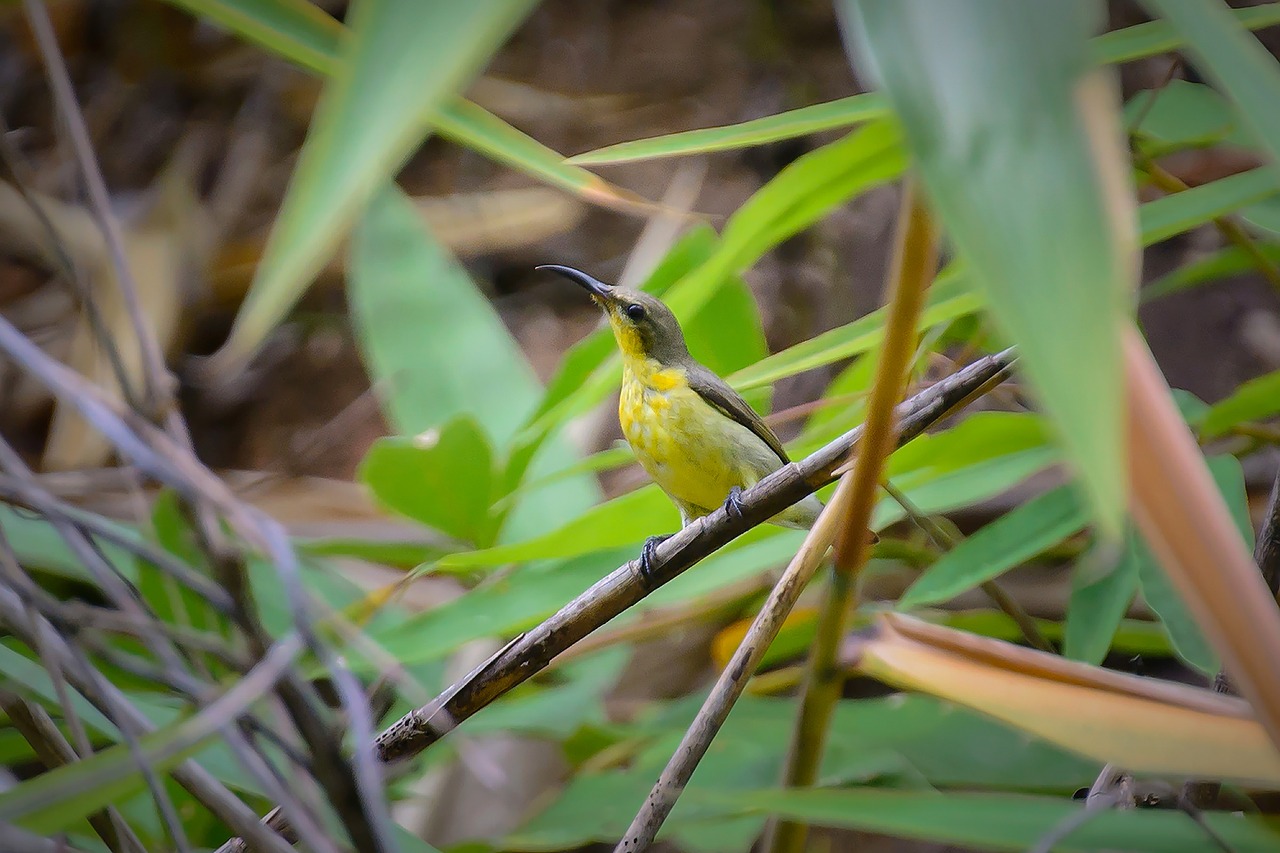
643 326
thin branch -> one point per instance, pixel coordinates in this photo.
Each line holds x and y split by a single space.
915 261
733 680
530 653
158 385
946 540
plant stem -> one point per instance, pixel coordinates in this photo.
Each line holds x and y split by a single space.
915 262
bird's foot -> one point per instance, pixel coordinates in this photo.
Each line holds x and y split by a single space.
646 558
733 504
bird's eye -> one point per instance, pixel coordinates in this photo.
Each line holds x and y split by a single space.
635 312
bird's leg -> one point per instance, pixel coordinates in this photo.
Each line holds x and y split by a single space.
646 557
733 503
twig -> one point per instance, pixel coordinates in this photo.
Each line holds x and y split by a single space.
530 653
915 261
158 388
733 680
946 540
53 750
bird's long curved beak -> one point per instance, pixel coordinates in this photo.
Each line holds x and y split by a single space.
593 286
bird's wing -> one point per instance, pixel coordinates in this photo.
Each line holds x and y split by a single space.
717 392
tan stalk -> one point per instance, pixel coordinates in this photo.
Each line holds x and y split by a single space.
915 261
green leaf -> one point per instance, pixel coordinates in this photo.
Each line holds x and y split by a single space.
994 98
400 63
442 478
983 455
1156 37
994 821
1254 400
1224 262
625 520
296 30
832 115
1173 214
1126 45
431 340
1183 114
1235 60
950 297
1100 597
436 346
1005 543
474 127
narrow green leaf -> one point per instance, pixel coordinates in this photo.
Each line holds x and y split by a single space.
1156 37
994 98
1222 263
1126 45
1234 59
296 30
442 478
400 63
1254 400
950 297
625 520
1173 214
832 115
1100 597
476 128
1010 540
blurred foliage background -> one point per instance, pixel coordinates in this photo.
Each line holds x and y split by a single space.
328 219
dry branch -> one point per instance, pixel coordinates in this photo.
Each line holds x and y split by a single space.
531 652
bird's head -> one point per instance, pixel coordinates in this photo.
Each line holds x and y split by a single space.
642 325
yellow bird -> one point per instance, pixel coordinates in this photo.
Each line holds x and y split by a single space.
693 434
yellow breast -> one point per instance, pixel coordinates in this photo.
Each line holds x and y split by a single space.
689 448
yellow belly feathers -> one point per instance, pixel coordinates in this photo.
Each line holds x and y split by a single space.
691 450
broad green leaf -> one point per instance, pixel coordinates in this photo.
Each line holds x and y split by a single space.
1010 540
400 63
994 98
832 115
1243 69
1173 214
1183 114
29 679
432 341
1160 594
913 741
1101 593
442 478
994 821
169 599
1254 400
436 347
984 454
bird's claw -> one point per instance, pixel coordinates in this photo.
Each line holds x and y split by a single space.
646 557
733 504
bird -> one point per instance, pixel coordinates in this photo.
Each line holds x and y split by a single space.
692 433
